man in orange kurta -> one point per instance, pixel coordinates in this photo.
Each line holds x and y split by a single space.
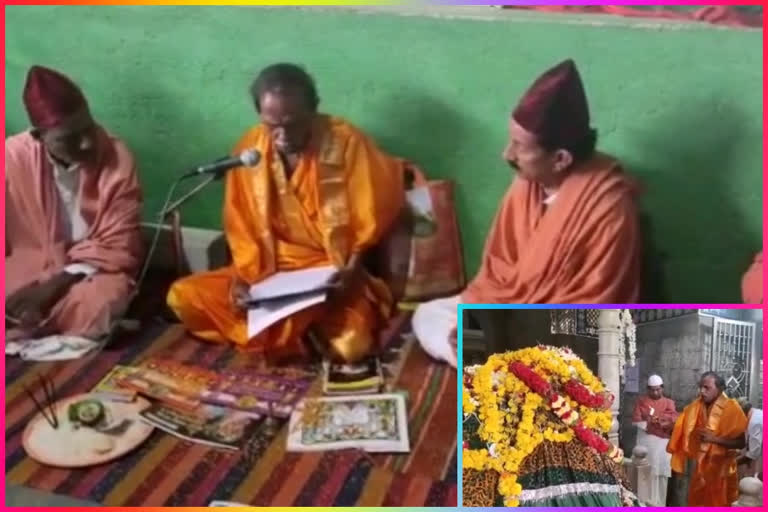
710 431
322 194
73 203
567 230
752 282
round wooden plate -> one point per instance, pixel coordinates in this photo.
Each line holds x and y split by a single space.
67 447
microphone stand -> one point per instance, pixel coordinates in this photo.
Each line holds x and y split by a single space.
132 324
164 211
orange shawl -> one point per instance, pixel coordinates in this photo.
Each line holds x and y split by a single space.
752 283
341 200
715 481
585 249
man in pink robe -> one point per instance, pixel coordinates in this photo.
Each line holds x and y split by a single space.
73 203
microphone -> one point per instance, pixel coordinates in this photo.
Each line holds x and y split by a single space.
247 158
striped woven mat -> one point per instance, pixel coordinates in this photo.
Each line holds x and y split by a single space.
166 471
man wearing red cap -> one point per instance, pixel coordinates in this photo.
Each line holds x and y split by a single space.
73 203
567 228
654 416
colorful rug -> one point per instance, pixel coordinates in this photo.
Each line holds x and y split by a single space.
734 16
166 471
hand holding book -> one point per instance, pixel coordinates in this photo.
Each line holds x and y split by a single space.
341 280
238 293
286 292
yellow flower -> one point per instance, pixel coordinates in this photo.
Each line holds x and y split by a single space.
508 485
474 459
515 426
466 400
597 420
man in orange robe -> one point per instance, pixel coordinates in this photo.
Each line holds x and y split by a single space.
710 431
73 204
322 194
567 230
752 283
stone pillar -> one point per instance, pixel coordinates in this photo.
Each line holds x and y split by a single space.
640 476
750 493
608 362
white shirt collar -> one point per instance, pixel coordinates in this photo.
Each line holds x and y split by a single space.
550 199
59 167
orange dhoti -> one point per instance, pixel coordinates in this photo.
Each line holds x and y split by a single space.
202 303
340 200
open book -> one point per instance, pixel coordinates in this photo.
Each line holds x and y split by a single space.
286 293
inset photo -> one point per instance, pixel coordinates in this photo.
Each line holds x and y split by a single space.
611 407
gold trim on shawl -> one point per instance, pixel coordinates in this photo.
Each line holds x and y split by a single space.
332 187
290 206
262 198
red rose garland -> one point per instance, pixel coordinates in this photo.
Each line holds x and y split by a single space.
585 397
531 378
564 412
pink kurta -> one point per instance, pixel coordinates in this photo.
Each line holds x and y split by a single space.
663 408
38 248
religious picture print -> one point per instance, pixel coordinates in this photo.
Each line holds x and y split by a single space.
374 423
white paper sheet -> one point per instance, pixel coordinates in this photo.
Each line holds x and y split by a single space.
261 317
296 281
420 200
51 348
286 283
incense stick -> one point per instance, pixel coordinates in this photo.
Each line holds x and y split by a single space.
50 394
39 407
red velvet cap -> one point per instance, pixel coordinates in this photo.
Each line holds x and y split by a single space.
51 97
555 107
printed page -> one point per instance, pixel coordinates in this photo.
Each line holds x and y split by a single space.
266 314
293 282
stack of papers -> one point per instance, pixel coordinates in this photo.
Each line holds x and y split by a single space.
286 293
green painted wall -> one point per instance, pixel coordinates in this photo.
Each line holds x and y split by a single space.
680 106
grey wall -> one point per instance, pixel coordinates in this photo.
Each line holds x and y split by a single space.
513 329
672 349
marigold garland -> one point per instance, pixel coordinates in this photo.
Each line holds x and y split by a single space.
511 395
